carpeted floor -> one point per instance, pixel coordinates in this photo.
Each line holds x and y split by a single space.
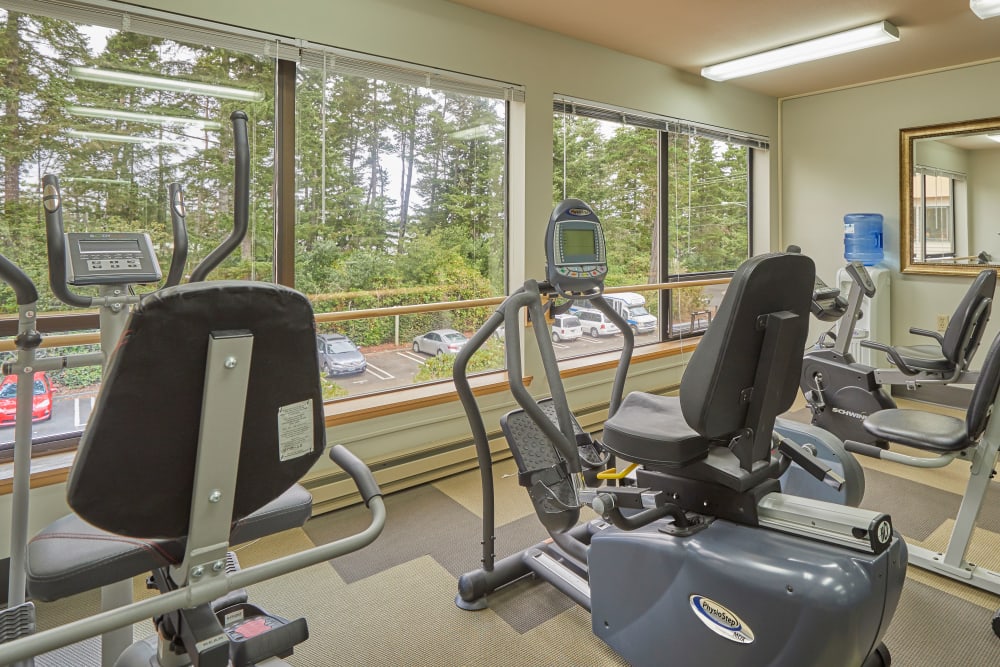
392 603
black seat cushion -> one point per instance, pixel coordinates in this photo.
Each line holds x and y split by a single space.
134 470
916 428
649 429
925 358
70 556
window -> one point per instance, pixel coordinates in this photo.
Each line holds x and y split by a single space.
400 201
934 212
674 200
394 176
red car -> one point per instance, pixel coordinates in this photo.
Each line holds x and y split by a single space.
41 403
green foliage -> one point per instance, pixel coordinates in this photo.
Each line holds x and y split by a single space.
331 389
488 358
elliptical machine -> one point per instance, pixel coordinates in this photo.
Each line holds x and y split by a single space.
165 485
841 392
658 571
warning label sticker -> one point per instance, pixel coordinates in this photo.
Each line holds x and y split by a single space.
295 430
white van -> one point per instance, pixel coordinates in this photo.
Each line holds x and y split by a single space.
566 327
632 308
594 322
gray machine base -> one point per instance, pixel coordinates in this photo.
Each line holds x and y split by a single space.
736 595
143 654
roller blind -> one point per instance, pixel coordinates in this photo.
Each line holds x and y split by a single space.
337 61
569 105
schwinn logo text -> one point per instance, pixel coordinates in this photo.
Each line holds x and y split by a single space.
849 413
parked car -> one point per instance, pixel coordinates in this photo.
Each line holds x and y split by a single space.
41 402
632 308
440 341
595 322
338 355
566 327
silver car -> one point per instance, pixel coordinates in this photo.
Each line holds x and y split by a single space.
439 341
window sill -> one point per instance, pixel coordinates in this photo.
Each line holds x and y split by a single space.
54 469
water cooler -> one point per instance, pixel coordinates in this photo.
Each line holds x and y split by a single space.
874 323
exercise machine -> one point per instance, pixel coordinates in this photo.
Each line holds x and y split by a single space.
696 554
243 391
944 439
842 392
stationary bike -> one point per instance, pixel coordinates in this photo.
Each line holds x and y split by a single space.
841 392
697 554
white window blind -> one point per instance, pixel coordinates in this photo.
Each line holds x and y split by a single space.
569 105
119 16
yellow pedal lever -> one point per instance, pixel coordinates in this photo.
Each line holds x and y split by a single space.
612 473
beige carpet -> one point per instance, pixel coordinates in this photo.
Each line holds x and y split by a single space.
392 604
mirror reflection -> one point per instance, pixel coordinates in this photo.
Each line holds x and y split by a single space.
950 202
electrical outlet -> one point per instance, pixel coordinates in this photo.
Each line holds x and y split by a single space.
942 323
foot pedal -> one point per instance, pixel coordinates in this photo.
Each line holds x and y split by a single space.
17 622
541 469
255 635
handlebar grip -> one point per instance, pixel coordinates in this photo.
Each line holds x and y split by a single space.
358 471
58 281
241 196
175 195
19 281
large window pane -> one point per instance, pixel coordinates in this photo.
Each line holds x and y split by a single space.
400 199
117 116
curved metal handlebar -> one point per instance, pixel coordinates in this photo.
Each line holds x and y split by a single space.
19 281
359 472
179 256
58 282
241 195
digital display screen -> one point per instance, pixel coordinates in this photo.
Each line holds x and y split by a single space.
579 243
109 245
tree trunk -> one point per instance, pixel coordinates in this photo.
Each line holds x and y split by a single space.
12 53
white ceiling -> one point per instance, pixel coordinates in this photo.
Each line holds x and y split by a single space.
690 34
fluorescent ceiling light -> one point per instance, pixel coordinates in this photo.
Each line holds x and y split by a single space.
114 114
160 83
125 139
875 34
985 9
994 137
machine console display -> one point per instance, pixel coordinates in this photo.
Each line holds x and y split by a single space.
576 260
115 258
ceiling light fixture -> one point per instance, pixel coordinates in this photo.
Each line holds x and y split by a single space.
994 137
113 114
161 83
121 138
985 9
864 37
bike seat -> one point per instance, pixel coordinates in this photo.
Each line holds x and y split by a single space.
70 556
924 430
925 358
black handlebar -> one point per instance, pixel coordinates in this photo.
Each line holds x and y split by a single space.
19 281
58 282
358 471
241 195
179 256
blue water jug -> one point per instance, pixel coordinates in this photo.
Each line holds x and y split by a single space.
863 238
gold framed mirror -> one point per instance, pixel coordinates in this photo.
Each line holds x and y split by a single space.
949 197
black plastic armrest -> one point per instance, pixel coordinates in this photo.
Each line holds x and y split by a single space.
924 332
891 351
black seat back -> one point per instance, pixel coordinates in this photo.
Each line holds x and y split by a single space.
134 471
985 393
731 374
965 329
